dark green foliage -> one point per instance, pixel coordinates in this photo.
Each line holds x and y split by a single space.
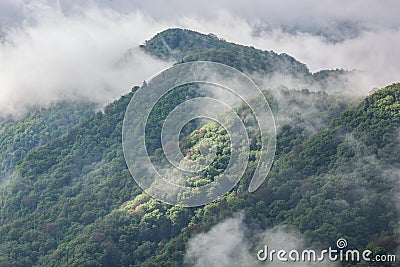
60 188
177 43
36 128
72 202
82 183
328 187
185 45
160 112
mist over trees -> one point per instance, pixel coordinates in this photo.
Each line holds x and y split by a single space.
69 199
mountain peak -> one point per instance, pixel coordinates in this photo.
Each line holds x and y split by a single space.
174 43
184 45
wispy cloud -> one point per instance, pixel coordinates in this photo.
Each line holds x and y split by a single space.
77 49
230 243
93 56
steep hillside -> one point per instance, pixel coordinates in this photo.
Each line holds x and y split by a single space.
38 127
71 201
185 45
62 187
63 193
340 183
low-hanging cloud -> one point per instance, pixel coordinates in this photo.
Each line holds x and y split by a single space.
374 51
224 245
52 50
230 243
94 56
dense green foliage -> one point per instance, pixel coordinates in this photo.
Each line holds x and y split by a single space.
329 186
82 183
160 112
36 128
72 202
186 45
63 187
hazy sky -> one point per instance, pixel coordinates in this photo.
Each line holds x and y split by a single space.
52 49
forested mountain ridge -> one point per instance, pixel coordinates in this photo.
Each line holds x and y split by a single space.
72 202
80 178
340 183
45 198
186 45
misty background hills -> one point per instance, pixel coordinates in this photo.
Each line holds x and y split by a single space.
67 198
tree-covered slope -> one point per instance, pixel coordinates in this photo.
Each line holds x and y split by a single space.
70 199
340 183
185 45
72 202
38 127
60 188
